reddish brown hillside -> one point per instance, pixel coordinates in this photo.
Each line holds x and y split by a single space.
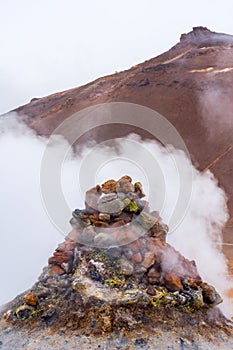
191 85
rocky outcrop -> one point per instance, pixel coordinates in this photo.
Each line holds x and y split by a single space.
202 36
115 271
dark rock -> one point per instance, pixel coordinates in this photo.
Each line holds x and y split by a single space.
82 218
24 311
49 317
172 282
210 295
141 343
151 290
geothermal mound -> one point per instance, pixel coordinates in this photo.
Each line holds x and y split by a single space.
115 271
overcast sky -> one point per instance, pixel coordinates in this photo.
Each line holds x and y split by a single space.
53 45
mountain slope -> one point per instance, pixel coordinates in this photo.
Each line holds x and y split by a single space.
191 85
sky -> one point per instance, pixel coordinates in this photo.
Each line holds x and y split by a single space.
48 46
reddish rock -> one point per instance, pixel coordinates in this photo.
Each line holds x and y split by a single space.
118 223
126 217
101 224
137 258
94 217
148 260
134 245
61 257
68 245
172 282
30 299
56 270
156 246
67 253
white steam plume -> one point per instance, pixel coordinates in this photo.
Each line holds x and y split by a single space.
28 237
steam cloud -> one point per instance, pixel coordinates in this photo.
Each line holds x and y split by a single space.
28 237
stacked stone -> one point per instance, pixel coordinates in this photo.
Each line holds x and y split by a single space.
114 205
62 260
114 267
117 219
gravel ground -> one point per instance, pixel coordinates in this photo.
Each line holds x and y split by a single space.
19 338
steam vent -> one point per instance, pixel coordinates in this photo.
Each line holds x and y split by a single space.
115 272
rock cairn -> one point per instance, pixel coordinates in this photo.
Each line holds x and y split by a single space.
117 221
116 269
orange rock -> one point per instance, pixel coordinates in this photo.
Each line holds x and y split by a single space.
172 282
94 217
101 224
57 270
61 257
126 177
30 299
109 186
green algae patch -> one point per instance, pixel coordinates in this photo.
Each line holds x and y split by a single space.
114 283
131 205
